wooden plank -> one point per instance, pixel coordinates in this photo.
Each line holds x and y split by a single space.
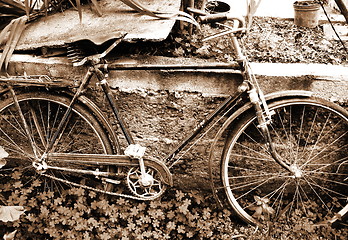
60 28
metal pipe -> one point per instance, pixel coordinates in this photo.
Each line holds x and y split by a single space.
343 8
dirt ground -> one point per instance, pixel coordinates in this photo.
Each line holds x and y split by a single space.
276 40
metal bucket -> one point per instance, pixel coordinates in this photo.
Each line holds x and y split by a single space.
306 13
217 6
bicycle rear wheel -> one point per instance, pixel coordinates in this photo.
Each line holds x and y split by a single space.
27 128
311 135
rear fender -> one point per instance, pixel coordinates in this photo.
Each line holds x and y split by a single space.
83 101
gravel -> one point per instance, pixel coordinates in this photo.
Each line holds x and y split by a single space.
276 40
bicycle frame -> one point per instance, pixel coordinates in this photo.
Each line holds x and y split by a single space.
97 71
199 128
133 157
255 95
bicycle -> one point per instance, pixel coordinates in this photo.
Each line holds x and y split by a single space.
284 155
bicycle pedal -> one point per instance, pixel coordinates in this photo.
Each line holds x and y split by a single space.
135 151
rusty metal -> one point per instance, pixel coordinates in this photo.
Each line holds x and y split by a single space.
168 67
36 81
115 160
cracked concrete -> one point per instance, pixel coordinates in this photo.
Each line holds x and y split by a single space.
328 81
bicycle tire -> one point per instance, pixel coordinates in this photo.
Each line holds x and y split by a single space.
309 133
42 111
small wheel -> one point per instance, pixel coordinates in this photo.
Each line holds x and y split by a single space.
42 112
146 187
312 136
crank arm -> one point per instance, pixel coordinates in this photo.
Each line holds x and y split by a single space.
114 160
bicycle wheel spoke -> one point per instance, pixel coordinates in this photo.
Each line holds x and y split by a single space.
309 135
264 174
270 195
319 137
14 147
24 122
71 135
37 124
301 129
283 129
16 125
253 157
255 141
327 190
326 147
14 129
317 194
263 182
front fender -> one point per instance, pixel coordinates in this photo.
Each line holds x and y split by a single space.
276 96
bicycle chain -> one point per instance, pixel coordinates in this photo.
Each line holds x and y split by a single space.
97 190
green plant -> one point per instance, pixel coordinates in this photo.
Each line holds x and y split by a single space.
74 213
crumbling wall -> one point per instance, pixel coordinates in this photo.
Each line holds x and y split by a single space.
160 120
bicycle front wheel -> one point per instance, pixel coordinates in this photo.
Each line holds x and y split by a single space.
311 136
28 124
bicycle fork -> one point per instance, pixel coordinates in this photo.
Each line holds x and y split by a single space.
263 114
264 117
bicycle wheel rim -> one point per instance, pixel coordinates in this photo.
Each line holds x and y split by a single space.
259 190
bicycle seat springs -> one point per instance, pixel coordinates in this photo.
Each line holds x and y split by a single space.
74 53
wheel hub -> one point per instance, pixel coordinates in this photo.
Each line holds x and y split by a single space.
296 171
40 166
146 180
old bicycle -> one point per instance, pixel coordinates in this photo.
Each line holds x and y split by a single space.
284 154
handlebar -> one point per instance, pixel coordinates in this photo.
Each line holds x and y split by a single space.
205 17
